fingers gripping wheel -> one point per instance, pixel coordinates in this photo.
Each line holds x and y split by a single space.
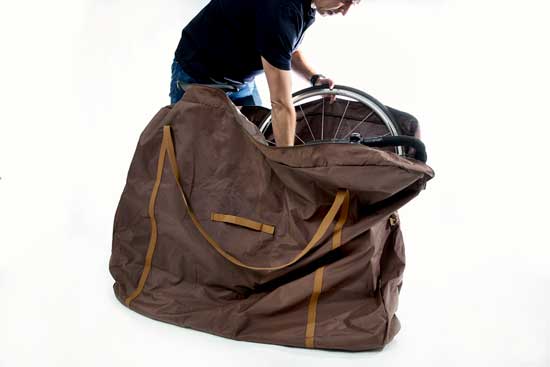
354 117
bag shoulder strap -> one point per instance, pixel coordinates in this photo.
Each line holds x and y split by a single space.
341 197
340 204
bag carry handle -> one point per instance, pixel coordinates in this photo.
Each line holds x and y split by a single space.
341 203
243 222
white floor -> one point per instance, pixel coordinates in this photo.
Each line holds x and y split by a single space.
80 79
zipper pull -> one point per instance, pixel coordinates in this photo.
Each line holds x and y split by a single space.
393 219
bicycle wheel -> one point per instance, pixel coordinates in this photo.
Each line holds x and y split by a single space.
353 114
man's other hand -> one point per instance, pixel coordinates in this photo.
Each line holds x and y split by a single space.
330 83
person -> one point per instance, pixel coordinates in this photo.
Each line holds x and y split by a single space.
232 41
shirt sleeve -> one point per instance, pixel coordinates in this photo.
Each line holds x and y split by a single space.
277 32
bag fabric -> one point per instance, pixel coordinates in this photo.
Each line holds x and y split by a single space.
220 232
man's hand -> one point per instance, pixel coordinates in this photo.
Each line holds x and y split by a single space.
302 67
330 83
325 81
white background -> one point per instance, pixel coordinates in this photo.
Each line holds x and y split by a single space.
80 79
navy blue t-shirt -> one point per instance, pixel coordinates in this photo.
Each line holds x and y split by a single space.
228 37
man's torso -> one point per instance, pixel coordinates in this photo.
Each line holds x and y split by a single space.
228 37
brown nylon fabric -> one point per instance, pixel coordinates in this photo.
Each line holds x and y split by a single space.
172 273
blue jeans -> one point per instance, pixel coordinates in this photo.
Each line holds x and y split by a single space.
246 96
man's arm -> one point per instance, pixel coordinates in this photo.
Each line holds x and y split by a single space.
302 67
283 114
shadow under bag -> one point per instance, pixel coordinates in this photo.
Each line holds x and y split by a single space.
219 232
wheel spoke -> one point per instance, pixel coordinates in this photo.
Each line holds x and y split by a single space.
342 119
303 142
356 126
307 122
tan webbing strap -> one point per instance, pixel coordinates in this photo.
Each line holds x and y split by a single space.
153 238
337 236
312 308
318 278
233 219
323 227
